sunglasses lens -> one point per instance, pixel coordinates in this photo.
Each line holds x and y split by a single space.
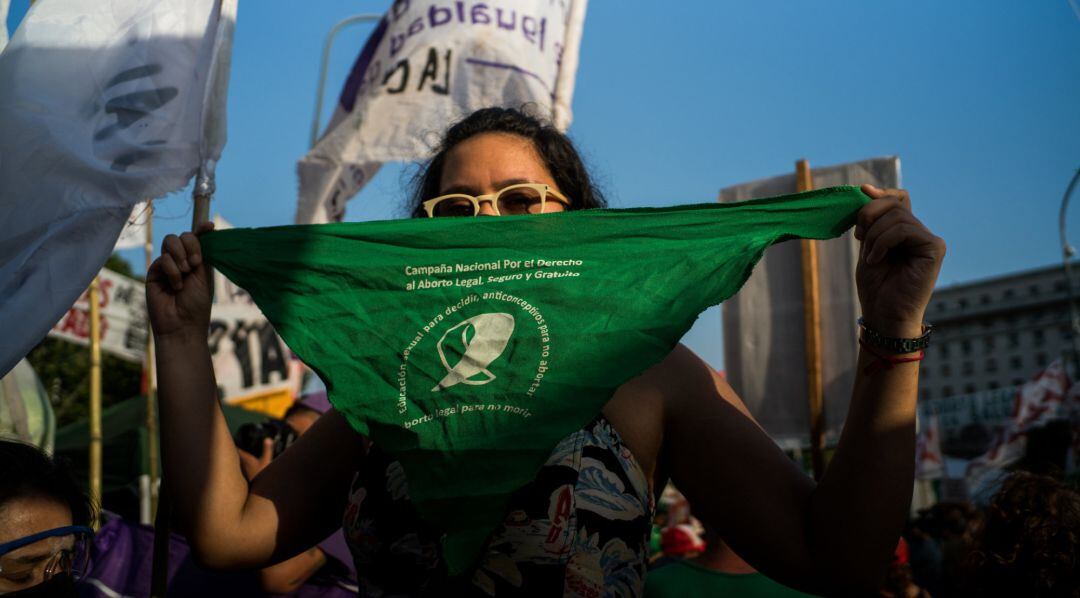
454 206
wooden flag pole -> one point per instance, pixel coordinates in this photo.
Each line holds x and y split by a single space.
95 397
812 318
153 469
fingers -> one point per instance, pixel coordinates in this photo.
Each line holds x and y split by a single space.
267 452
193 249
173 247
167 267
884 201
204 227
899 228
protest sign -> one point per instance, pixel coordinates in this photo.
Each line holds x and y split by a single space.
431 62
124 328
763 324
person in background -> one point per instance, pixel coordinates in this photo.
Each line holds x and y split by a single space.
44 524
331 556
718 571
1027 542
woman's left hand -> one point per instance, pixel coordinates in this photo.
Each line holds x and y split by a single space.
898 265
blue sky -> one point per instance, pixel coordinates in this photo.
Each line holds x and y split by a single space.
677 100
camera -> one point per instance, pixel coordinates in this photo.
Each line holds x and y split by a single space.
250 436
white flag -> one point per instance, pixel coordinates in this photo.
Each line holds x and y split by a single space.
427 64
134 233
4 5
102 106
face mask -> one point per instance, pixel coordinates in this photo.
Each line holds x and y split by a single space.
61 585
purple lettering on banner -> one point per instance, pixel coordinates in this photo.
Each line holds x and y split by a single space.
399 9
355 83
438 16
528 27
511 24
480 14
543 28
460 11
397 42
511 67
416 26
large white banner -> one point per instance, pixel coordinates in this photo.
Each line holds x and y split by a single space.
249 358
102 105
427 64
122 303
764 333
4 6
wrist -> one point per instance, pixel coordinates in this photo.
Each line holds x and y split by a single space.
893 326
184 338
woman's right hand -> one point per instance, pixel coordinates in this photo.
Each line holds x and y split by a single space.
178 287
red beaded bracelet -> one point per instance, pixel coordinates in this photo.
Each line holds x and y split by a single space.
886 361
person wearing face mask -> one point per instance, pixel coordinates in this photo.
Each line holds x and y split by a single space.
44 524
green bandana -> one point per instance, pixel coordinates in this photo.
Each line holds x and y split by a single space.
468 347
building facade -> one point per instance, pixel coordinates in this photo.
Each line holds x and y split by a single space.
995 333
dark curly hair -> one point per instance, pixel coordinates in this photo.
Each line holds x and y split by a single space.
27 472
555 149
1028 541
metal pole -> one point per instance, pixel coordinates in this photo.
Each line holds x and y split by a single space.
151 380
1067 252
95 396
323 65
804 180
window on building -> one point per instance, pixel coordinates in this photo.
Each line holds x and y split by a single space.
984 299
967 368
969 389
1015 362
1040 359
1035 315
1033 290
924 395
1066 332
991 365
988 323
1009 294
940 306
944 349
1014 340
924 372
994 385
1059 285
946 392
988 344
946 371
965 346
1017 381
1010 320
962 303
1039 336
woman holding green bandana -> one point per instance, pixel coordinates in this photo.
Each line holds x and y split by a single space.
581 527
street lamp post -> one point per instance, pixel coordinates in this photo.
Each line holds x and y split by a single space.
1067 252
322 67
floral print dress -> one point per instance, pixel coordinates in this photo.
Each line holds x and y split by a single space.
580 528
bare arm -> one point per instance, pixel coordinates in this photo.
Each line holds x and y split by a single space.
230 523
288 576
835 536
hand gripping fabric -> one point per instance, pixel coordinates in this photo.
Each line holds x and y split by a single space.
468 347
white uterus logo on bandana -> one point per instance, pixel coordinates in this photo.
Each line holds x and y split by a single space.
483 340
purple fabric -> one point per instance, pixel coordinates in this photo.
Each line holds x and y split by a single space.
337 548
315 400
121 560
